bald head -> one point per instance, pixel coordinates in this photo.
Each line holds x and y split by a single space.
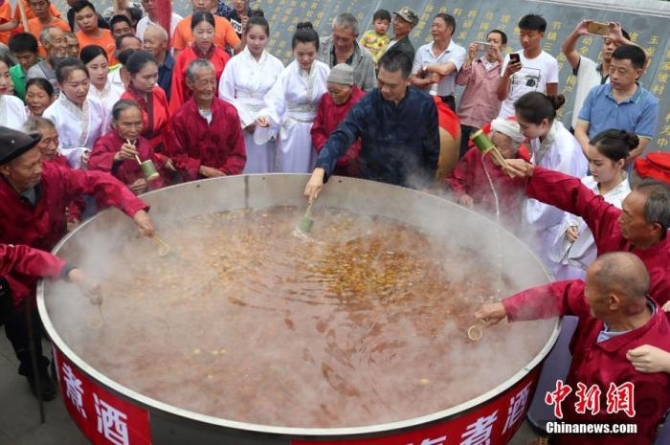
621 274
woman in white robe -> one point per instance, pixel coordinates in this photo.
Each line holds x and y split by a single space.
554 148
291 104
12 110
79 119
245 81
575 249
106 86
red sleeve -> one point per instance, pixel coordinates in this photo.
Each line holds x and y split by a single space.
318 131
177 89
178 147
29 261
550 300
568 193
237 157
107 189
457 179
102 156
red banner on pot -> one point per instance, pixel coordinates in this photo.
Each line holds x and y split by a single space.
493 423
102 417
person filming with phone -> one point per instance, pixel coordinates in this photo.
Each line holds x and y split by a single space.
480 75
530 69
590 73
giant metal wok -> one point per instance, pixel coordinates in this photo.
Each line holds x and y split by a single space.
108 412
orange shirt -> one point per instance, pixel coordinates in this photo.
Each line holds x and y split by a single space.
5 16
35 27
224 34
106 41
53 11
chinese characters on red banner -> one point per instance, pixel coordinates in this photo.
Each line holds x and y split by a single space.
493 423
103 417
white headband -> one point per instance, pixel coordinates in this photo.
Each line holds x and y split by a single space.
508 128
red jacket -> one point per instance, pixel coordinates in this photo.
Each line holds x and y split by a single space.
29 261
128 171
155 116
219 145
601 363
43 225
569 194
76 207
180 93
328 117
469 177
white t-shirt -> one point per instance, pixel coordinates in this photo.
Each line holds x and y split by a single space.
588 76
145 21
534 75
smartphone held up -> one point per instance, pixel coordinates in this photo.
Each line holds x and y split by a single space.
598 28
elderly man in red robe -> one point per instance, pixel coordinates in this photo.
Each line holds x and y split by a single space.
38 263
615 316
208 139
33 199
333 108
639 227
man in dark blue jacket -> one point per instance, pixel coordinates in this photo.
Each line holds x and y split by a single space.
398 127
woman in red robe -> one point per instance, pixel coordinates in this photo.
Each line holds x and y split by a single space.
333 108
202 26
471 179
142 68
120 151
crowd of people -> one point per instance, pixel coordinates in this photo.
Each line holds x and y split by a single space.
87 101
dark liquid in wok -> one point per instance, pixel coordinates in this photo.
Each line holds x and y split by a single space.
366 324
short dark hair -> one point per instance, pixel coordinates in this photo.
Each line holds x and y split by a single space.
119 40
124 55
135 14
533 22
635 54
305 33
394 61
449 20
118 18
381 14
202 16
82 4
625 34
503 36
67 66
42 83
23 42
